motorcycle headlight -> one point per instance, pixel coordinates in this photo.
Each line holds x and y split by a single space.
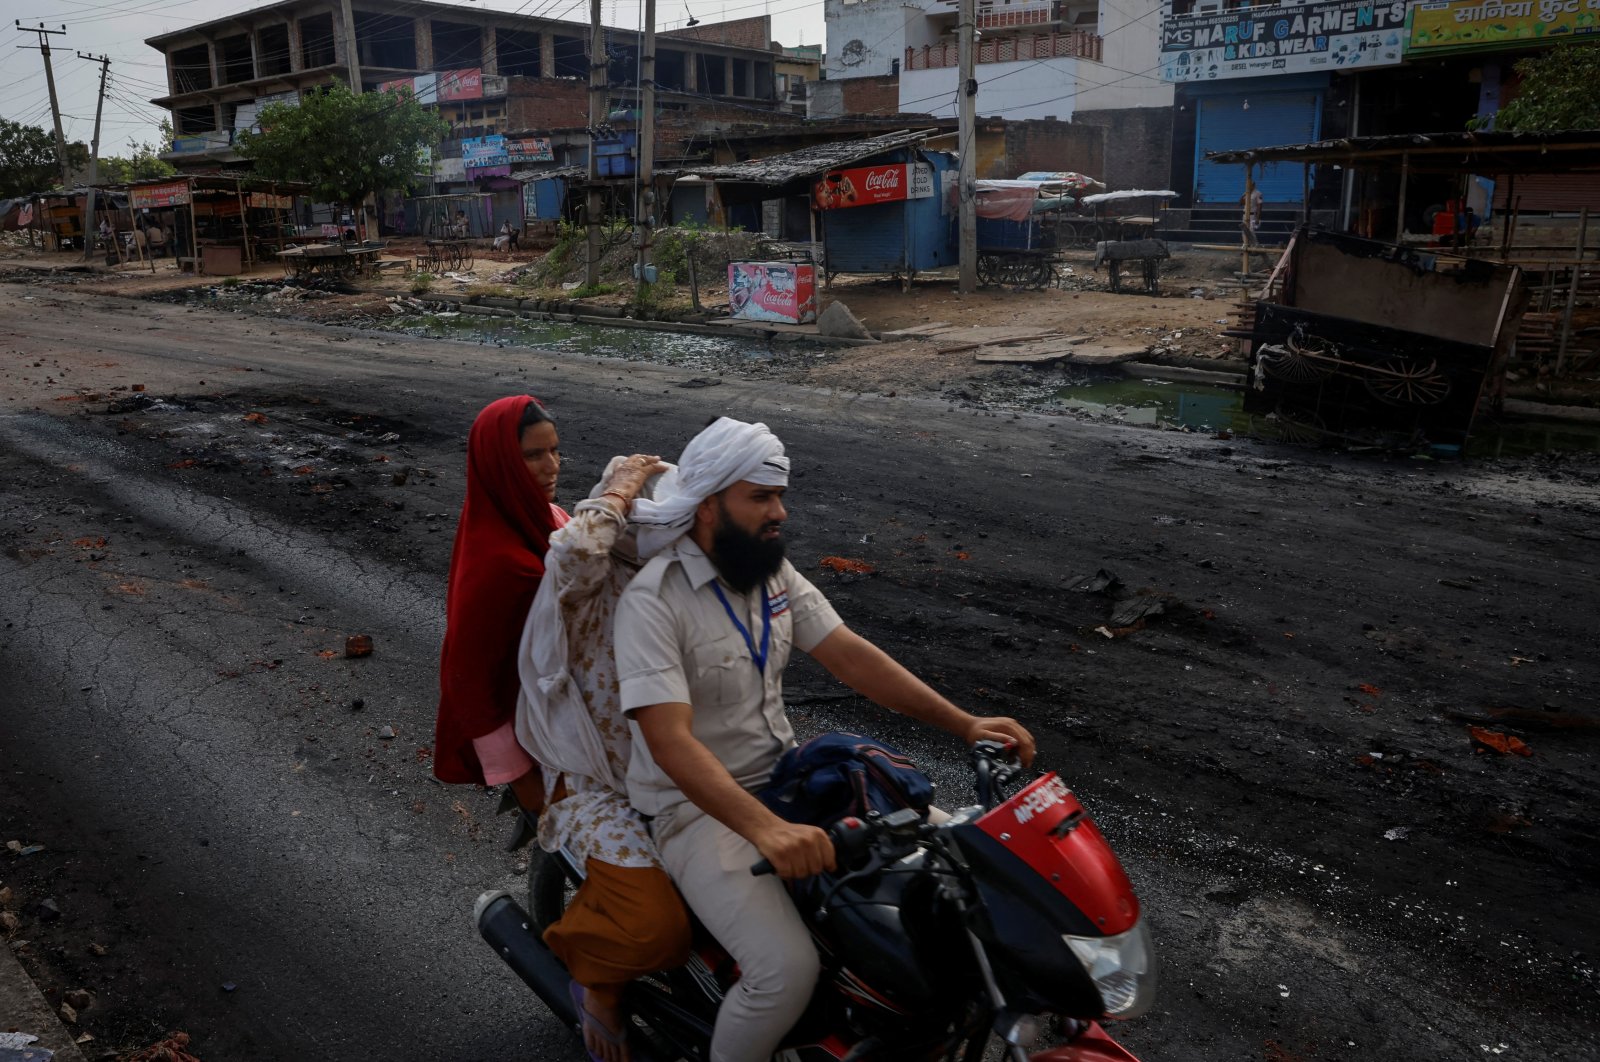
1122 967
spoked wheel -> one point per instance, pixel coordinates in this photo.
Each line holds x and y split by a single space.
986 269
1290 363
1298 427
1403 382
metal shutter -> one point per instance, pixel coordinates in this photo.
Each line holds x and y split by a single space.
1223 124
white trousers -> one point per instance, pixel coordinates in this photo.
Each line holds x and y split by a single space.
754 919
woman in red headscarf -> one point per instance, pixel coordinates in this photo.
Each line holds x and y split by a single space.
513 463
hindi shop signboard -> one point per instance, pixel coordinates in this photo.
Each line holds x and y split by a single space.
1293 39
530 149
157 196
480 151
867 185
1448 26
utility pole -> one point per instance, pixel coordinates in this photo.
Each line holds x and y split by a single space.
352 59
967 140
50 83
598 64
89 228
644 209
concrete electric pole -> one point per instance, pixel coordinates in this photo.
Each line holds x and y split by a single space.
644 208
967 139
598 63
89 228
50 83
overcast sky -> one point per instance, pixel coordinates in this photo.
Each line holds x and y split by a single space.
118 28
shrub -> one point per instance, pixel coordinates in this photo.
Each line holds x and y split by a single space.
421 283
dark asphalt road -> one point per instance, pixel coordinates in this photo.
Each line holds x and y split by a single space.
216 813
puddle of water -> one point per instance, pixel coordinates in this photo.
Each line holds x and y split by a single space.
1522 438
1202 407
599 341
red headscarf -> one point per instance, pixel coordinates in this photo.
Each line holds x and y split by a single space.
495 568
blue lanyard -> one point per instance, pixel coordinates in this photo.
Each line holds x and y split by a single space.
759 659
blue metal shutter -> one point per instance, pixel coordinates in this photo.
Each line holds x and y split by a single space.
868 239
1223 124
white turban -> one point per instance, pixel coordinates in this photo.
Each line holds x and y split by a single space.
723 454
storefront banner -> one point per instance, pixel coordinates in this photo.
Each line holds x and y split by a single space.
154 196
530 149
871 184
267 201
1282 40
784 292
1471 25
460 85
484 151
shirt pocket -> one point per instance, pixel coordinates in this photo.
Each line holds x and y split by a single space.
722 673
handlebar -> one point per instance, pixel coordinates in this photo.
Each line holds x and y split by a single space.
853 838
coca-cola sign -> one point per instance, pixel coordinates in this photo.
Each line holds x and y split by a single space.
862 187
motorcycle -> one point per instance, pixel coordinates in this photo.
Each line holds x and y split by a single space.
935 937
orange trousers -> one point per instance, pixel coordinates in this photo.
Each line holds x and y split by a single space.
623 923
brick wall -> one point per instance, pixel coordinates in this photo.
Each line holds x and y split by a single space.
1138 145
546 103
753 32
1047 144
844 96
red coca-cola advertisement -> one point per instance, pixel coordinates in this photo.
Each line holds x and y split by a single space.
780 292
863 187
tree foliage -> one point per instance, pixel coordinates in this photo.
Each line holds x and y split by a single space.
344 145
1557 91
28 159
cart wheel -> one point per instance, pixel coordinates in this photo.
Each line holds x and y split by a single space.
986 269
1114 269
1042 275
1152 276
1298 427
1403 382
1289 363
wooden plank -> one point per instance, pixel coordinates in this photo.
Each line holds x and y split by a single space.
928 329
983 335
1058 349
1107 353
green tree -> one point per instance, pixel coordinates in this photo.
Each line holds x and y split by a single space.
28 159
346 147
1557 91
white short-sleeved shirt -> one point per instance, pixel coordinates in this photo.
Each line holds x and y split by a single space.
676 643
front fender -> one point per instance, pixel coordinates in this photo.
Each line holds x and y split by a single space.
1091 1045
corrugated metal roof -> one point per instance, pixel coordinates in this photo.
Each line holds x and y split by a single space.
818 158
1489 154
567 172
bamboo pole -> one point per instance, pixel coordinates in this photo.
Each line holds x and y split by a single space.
1505 237
194 235
244 225
1572 292
1400 218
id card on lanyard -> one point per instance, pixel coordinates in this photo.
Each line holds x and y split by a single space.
759 658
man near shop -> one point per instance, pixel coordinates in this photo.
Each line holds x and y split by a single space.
702 637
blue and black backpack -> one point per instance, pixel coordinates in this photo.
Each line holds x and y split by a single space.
839 774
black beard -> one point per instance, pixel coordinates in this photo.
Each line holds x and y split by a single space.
742 559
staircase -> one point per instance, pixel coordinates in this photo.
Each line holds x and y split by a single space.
1214 223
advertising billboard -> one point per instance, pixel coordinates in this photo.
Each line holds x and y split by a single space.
479 151
460 85
867 185
1292 39
1446 26
155 196
778 292
530 149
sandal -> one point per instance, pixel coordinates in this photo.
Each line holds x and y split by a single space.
587 1022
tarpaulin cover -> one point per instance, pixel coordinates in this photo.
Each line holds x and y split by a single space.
1077 182
1127 193
1011 200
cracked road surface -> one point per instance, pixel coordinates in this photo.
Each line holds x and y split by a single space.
197 508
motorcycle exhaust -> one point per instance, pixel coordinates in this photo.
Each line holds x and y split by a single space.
509 930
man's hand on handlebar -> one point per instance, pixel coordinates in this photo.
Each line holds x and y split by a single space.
795 851
1003 729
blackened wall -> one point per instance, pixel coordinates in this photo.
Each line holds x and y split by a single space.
1138 145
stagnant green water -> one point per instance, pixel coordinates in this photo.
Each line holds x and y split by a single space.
596 340
1203 407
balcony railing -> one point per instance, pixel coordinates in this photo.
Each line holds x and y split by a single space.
1038 16
1073 44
